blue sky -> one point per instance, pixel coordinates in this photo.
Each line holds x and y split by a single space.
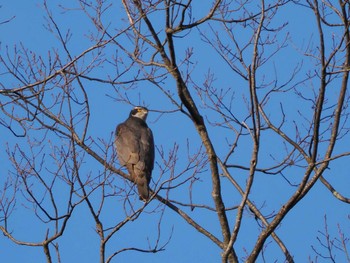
80 242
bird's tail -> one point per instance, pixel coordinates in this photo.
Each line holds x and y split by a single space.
143 189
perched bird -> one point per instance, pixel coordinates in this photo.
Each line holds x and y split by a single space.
135 148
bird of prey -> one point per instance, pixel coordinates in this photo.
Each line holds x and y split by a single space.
135 149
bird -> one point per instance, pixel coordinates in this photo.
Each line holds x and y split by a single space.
135 149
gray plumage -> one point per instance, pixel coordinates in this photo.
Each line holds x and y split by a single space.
135 148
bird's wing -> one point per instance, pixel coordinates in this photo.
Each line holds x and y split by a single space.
143 168
147 142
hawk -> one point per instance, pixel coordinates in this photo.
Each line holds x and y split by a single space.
135 149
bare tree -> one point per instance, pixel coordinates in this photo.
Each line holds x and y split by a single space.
329 246
280 120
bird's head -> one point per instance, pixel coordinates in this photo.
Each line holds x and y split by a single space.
139 112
